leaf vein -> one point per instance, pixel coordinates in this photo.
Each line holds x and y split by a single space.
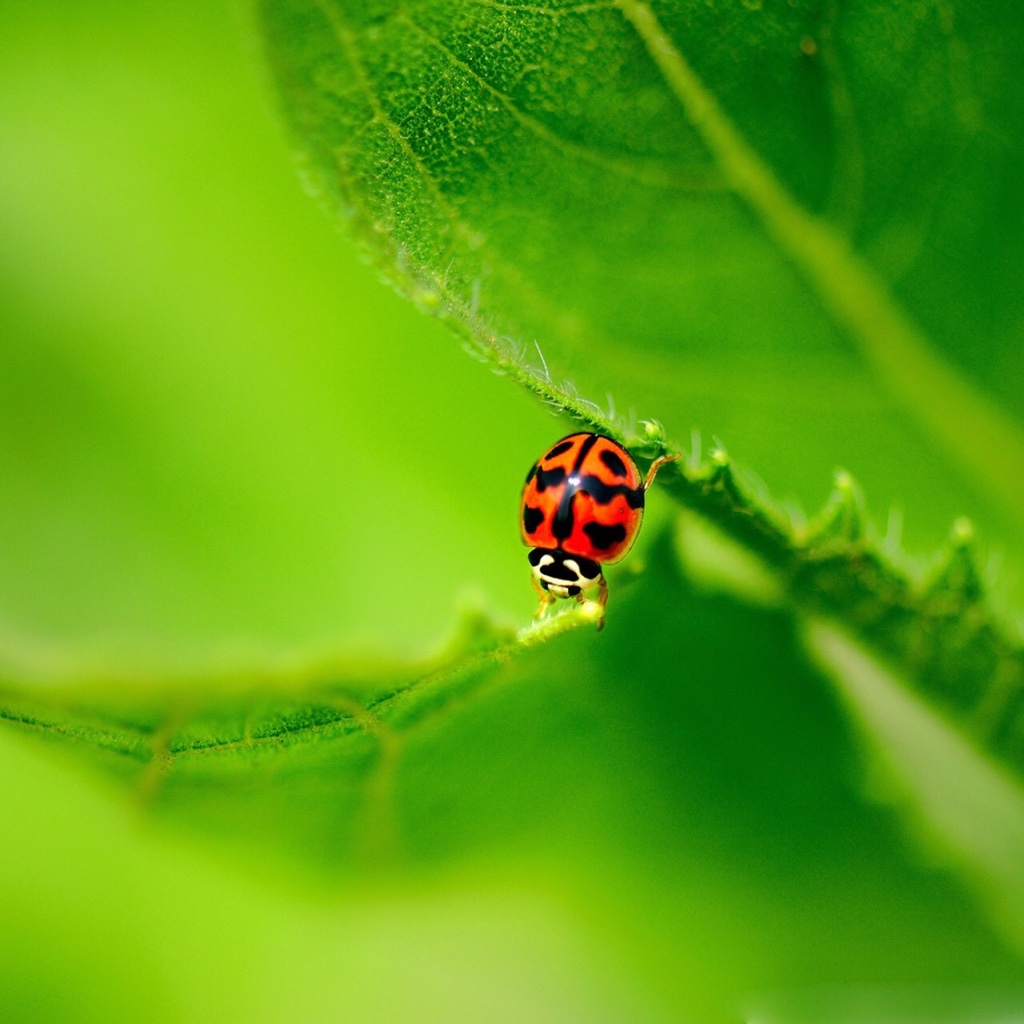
551 12
492 262
649 173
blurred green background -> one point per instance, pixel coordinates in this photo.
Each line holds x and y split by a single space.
219 429
224 443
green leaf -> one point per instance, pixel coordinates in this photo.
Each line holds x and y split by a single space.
939 629
952 791
717 212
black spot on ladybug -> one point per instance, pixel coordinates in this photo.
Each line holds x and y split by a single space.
549 478
603 537
562 524
603 493
613 462
533 469
535 555
572 591
532 518
560 449
581 455
544 585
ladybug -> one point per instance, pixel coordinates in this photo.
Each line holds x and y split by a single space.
582 506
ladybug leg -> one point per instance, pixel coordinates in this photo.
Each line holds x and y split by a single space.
546 599
655 466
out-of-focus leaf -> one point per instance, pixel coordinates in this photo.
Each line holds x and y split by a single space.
966 805
685 794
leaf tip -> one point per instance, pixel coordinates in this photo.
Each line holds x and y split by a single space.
962 533
652 430
844 515
958 575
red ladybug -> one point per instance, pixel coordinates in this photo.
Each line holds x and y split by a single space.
582 506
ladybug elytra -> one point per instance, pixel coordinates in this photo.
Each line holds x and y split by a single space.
582 507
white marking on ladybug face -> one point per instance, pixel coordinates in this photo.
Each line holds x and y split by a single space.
564 575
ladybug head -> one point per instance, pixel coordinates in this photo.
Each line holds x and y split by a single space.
563 574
